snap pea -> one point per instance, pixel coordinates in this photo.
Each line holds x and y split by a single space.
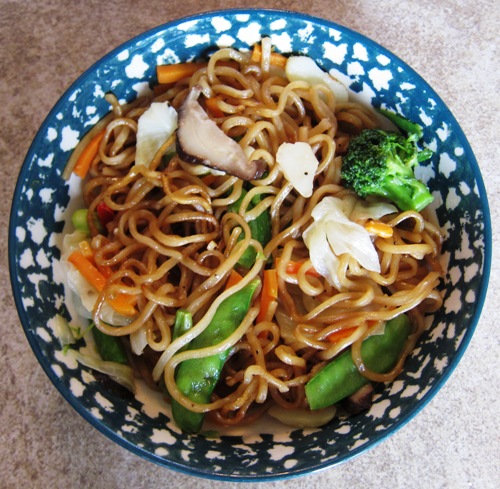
260 227
197 378
109 347
340 378
183 322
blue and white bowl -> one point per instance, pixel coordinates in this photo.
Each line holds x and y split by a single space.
40 211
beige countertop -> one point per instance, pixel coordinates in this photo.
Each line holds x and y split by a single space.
45 45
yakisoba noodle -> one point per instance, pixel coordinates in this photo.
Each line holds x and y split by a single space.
173 242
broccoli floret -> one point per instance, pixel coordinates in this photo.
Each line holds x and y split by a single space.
381 163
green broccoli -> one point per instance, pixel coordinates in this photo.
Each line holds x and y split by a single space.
381 163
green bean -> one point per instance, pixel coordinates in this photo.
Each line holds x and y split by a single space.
340 378
197 378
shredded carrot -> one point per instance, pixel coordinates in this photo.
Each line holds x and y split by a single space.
379 228
121 303
88 270
87 251
269 292
84 161
84 142
213 107
341 334
277 59
174 73
292 268
233 279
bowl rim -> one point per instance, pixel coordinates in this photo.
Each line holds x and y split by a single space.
194 471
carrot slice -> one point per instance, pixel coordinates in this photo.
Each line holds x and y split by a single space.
105 271
292 268
233 279
341 334
213 107
88 270
121 303
256 53
84 161
174 73
379 228
269 292
277 59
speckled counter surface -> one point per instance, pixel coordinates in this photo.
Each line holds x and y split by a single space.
45 45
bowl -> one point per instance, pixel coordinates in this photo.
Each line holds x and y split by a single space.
42 206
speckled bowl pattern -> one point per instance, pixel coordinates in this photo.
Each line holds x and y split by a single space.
40 211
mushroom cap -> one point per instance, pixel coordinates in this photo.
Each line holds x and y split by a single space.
200 141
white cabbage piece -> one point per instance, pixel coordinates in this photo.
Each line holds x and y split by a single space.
85 295
62 330
71 242
298 164
365 209
332 234
123 374
139 340
155 126
303 68
324 260
287 327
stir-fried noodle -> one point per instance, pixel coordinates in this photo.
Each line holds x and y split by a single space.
174 240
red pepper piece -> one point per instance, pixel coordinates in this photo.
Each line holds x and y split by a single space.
105 213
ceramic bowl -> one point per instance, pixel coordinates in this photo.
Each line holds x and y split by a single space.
265 452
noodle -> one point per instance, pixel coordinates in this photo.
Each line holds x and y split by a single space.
173 241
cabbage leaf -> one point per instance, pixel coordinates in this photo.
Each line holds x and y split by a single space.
333 234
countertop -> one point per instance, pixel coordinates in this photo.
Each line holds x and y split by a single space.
45 45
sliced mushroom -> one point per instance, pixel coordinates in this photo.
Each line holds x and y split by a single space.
360 401
201 141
